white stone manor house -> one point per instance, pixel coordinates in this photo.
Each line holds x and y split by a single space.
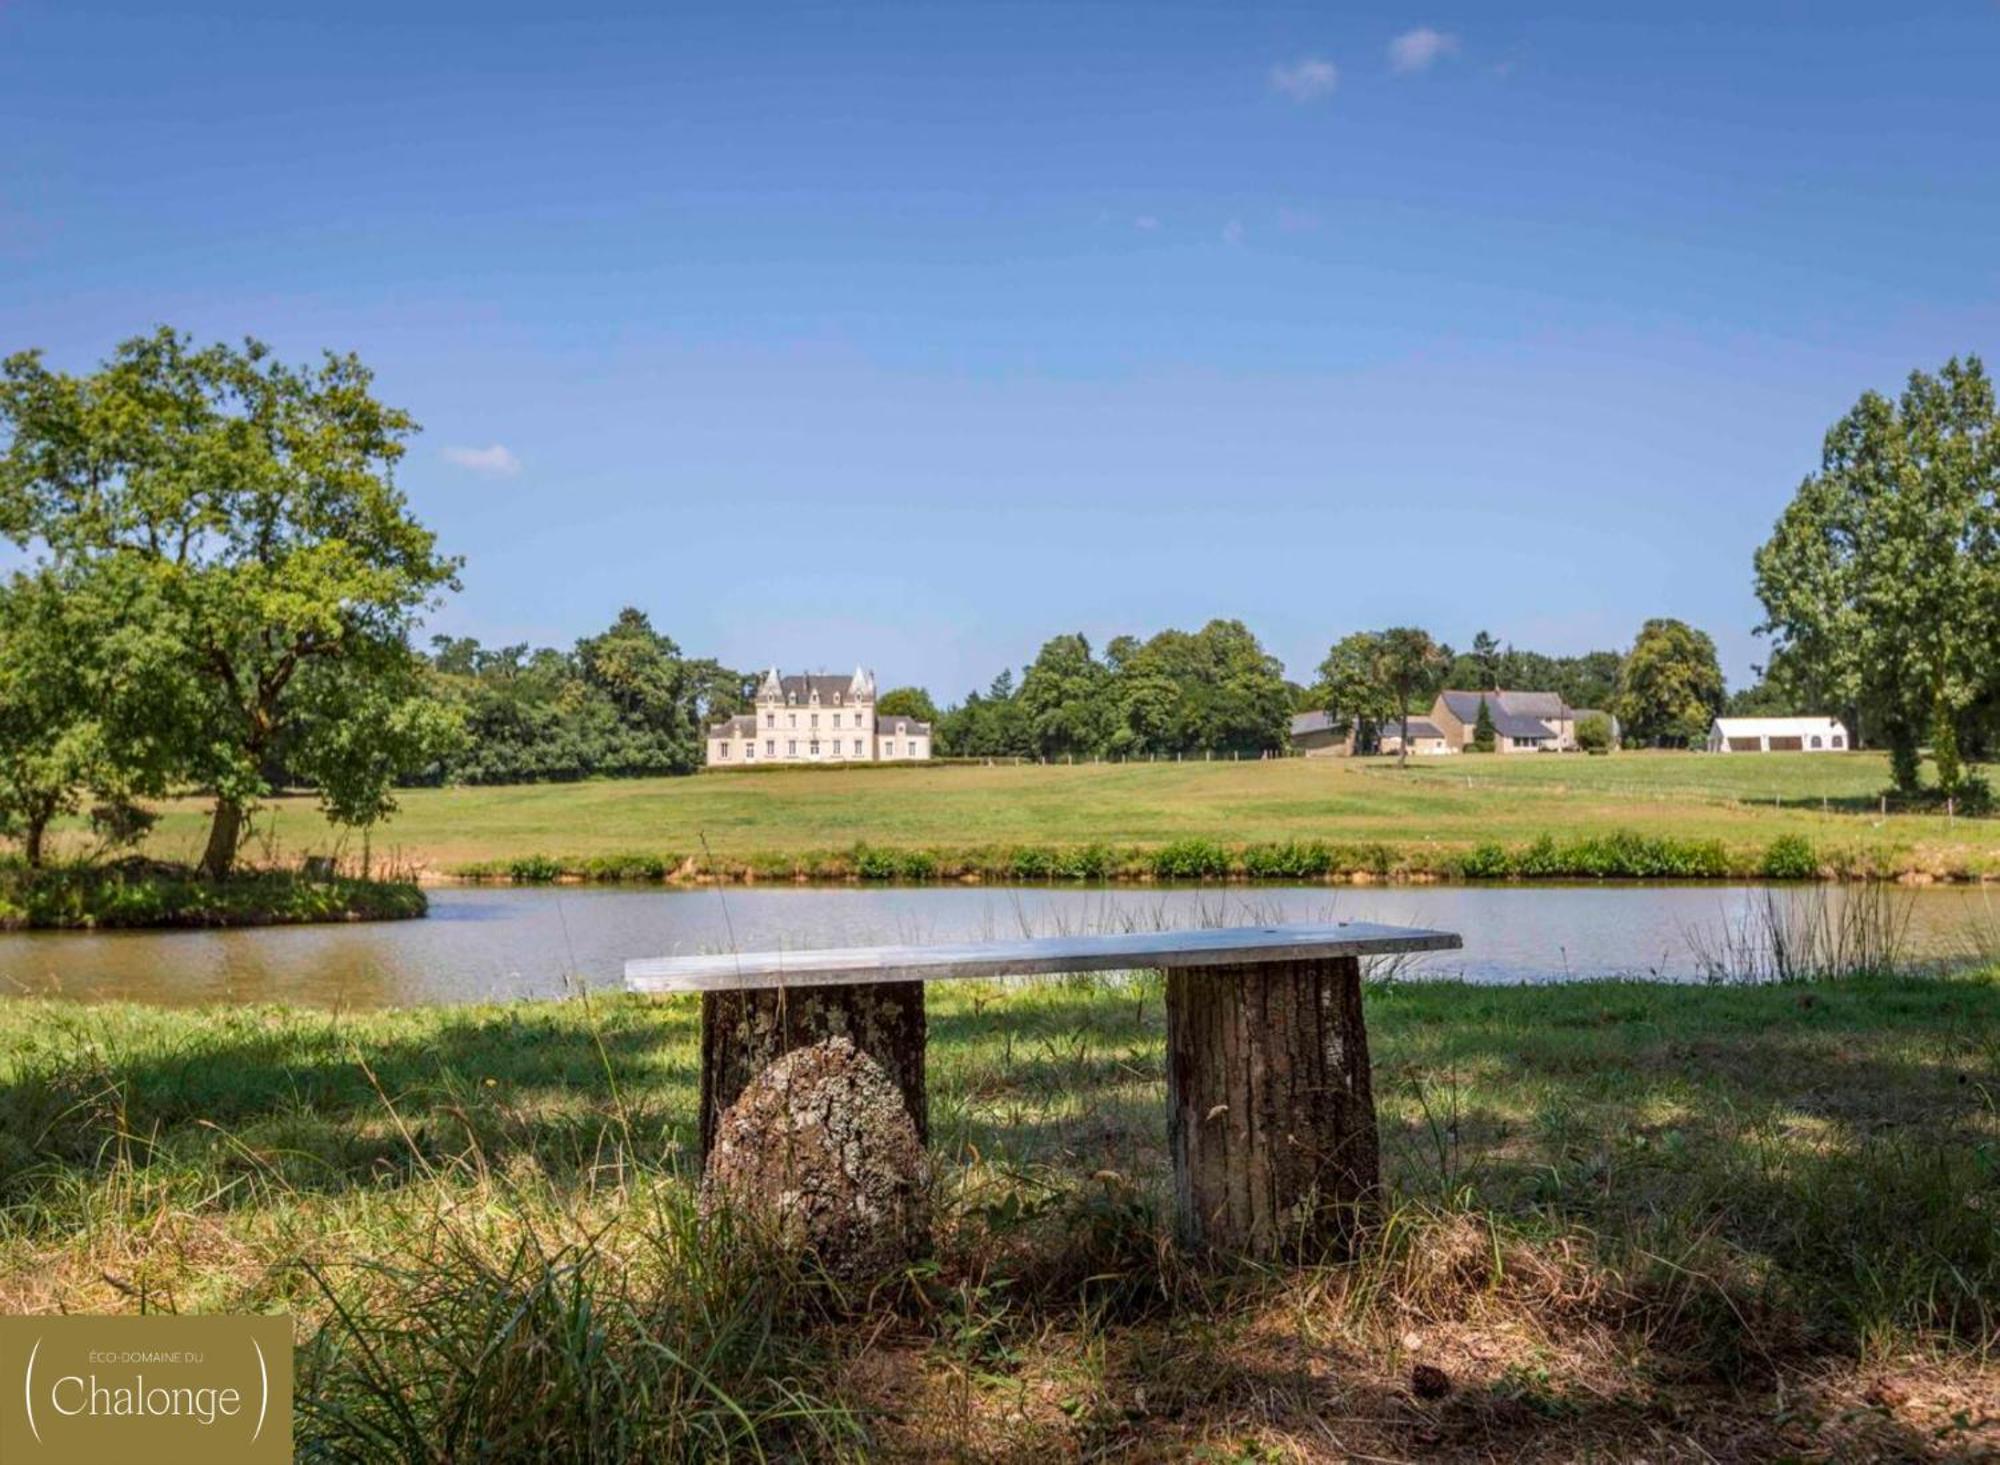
816 719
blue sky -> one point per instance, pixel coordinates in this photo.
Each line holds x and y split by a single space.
919 333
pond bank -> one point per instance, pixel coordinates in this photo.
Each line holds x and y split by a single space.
141 895
1619 855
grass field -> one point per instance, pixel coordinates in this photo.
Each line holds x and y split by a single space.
1627 1220
1421 814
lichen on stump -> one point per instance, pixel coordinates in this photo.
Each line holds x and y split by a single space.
819 1153
745 1032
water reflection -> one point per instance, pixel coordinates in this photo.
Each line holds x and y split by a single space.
496 943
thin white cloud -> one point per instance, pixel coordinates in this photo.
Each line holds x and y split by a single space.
496 460
1305 80
1232 232
1418 50
1146 223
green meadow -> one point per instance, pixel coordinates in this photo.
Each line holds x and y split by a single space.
1418 819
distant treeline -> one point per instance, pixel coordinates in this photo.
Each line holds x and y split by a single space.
625 703
628 702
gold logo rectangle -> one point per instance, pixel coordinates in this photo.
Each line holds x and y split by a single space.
161 1389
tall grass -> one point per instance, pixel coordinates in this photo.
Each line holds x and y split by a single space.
507 1333
1816 935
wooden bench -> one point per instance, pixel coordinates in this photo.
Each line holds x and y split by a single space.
1270 1113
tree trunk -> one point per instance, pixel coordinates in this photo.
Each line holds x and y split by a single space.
31 840
743 1033
225 833
1270 1111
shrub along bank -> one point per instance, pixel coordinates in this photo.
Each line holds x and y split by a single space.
141 893
1620 855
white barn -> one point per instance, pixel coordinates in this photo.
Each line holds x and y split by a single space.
1777 735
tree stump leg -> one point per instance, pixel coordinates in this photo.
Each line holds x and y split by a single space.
1271 1115
743 1033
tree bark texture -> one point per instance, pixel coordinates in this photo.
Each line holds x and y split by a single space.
743 1033
225 834
1270 1111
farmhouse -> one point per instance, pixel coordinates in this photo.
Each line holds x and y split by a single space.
1523 722
1777 735
816 719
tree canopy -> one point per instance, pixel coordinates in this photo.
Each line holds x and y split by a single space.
243 513
1210 691
624 702
1881 580
1670 686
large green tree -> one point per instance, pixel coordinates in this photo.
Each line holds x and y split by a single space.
250 508
1411 667
1881 580
1216 690
1063 696
1351 691
1670 686
1373 678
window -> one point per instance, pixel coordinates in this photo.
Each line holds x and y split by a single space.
770 747
724 745
791 719
813 747
770 719
1815 740
791 747
913 750
815 719
857 747
1839 741
750 748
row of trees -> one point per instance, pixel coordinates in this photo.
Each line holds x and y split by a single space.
1881 581
1212 691
620 704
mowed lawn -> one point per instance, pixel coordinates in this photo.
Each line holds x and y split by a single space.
1742 800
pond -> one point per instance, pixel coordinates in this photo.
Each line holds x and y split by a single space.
496 943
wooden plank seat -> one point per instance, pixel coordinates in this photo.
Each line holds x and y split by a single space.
1271 1115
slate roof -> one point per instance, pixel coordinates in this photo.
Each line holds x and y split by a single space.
800 689
1514 714
915 728
740 725
1420 727
1311 722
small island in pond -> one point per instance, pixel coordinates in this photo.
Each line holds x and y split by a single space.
131 894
